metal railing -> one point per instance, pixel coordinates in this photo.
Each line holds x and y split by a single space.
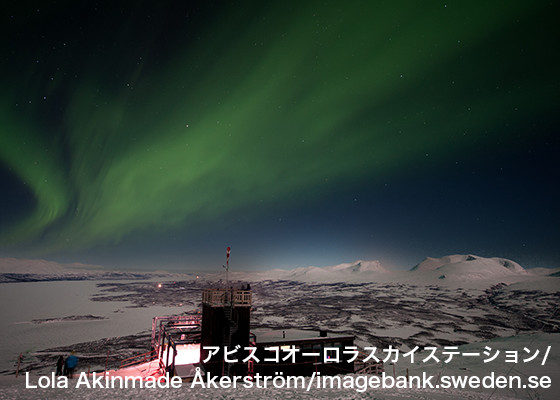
139 359
227 297
157 327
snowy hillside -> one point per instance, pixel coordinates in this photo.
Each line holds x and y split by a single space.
468 268
502 318
351 272
357 271
470 307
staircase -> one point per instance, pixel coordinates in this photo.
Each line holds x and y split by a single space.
228 333
229 319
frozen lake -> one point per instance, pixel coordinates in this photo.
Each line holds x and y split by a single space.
24 302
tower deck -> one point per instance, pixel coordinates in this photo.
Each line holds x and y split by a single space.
226 297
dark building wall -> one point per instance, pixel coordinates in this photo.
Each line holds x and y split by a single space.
215 330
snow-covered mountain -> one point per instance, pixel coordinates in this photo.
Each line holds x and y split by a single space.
357 271
449 270
351 272
453 269
468 268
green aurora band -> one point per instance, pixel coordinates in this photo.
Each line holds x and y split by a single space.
263 106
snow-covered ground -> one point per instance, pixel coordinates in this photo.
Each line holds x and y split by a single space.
12 388
472 302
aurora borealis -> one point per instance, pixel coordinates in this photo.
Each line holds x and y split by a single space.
156 134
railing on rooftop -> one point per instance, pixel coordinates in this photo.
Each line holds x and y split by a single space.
157 325
226 297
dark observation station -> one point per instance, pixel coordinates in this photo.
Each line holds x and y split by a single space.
186 342
226 319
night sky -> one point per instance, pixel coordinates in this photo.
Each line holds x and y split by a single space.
155 134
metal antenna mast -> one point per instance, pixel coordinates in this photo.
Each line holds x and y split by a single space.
227 267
